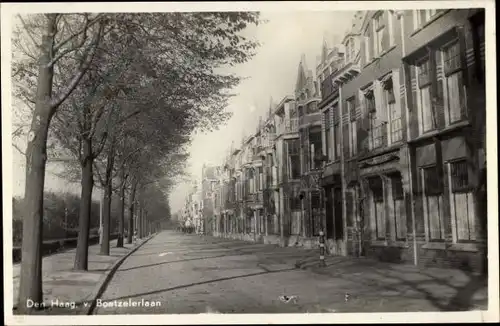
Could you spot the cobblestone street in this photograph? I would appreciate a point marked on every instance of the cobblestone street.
(199, 274)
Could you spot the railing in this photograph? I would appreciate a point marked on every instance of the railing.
(396, 130)
(378, 136)
(292, 125)
(328, 87)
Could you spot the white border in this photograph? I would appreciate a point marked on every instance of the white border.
(7, 10)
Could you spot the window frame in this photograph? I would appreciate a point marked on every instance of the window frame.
(437, 192)
(353, 139)
(428, 83)
(447, 73)
(468, 191)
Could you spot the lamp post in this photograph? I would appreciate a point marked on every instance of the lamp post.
(101, 208)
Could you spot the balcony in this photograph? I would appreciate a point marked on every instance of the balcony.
(348, 71)
(268, 140)
(310, 118)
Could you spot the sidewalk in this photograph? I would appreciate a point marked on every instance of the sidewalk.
(62, 283)
(377, 286)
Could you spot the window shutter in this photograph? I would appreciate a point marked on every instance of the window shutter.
(261, 181)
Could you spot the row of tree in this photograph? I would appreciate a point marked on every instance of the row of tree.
(116, 97)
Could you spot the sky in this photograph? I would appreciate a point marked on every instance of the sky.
(272, 72)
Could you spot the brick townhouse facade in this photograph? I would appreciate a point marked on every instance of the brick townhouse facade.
(384, 151)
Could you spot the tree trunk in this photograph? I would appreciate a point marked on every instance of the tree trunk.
(106, 220)
(121, 216)
(108, 192)
(82, 248)
(140, 220)
(30, 287)
(131, 228)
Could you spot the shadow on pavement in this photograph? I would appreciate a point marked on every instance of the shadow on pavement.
(176, 261)
(200, 283)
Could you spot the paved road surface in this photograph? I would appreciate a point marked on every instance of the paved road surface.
(191, 274)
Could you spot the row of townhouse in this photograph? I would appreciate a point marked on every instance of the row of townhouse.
(384, 151)
(191, 215)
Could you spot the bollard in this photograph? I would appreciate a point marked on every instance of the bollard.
(322, 249)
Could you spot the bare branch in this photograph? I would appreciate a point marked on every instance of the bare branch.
(76, 79)
(27, 31)
(87, 25)
(18, 149)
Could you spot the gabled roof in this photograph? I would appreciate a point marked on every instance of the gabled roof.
(301, 74)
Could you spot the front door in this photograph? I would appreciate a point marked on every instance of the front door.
(337, 212)
(329, 212)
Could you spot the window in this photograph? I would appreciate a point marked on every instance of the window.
(378, 34)
(433, 203)
(399, 208)
(349, 50)
(261, 179)
(395, 128)
(328, 130)
(377, 191)
(294, 159)
(369, 99)
(353, 131)
(336, 128)
(461, 201)
(453, 84)
(368, 56)
(420, 17)
(315, 149)
(427, 120)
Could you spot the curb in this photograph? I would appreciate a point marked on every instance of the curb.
(101, 287)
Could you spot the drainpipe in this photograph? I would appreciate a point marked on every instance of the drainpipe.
(342, 173)
(408, 156)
